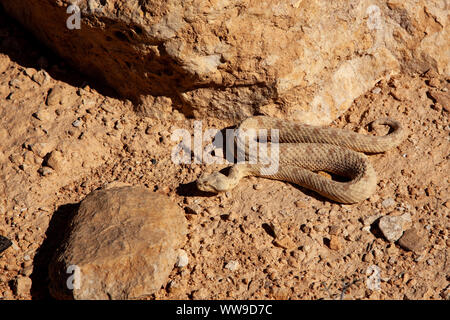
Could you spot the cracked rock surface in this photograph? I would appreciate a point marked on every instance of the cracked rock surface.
(296, 59)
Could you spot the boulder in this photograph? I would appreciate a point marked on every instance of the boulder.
(122, 244)
(302, 60)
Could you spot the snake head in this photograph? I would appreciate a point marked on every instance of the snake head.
(216, 182)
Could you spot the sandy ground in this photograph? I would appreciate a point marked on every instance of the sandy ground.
(63, 136)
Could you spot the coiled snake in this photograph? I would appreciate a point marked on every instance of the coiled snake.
(303, 150)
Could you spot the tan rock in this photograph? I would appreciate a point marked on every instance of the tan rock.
(182, 259)
(41, 149)
(55, 96)
(22, 285)
(392, 227)
(122, 244)
(44, 115)
(335, 243)
(56, 160)
(307, 60)
(45, 171)
(411, 240)
(285, 242)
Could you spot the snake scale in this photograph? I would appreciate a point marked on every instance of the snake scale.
(303, 150)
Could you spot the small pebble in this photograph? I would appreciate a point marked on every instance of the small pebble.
(55, 160)
(41, 149)
(388, 202)
(323, 211)
(300, 204)
(45, 171)
(77, 123)
(335, 243)
(285, 242)
(411, 241)
(376, 90)
(118, 125)
(43, 115)
(392, 227)
(173, 286)
(182, 259)
(232, 265)
(334, 230)
(193, 209)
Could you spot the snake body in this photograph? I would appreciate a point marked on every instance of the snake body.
(303, 150)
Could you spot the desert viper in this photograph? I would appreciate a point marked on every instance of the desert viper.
(303, 150)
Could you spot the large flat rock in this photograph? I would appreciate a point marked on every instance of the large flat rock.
(304, 60)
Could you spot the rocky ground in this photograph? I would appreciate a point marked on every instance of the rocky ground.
(63, 136)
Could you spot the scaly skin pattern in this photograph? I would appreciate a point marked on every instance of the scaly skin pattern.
(303, 150)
